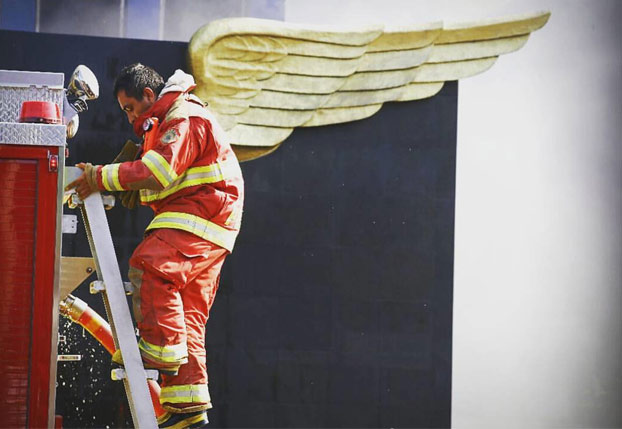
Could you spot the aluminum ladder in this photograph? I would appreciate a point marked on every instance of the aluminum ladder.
(111, 286)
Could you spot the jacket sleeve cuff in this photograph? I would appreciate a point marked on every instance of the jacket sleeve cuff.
(108, 178)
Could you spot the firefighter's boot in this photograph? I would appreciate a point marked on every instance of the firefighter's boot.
(196, 419)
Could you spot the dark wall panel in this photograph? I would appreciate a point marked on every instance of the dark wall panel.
(335, 308)
(92, 17)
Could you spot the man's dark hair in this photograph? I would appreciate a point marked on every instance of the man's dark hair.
(134, 78)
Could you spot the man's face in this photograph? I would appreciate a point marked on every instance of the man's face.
(132, 107)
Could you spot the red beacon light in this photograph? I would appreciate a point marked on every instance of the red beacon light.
(41, 112)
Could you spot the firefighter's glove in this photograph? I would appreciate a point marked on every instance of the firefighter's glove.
(128, 153)
(86, 184)
(129, 199)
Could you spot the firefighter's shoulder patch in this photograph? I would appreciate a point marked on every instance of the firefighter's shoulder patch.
(170, 136)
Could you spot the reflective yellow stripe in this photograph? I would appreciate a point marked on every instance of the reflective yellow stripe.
(159, 167)
(235, 218)
(185, 393)
(105, 178)
(197, 226)
(169, 354)
(195, 176)
(110, 177)
(115, 176)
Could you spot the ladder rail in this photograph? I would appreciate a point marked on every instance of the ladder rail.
(120, 319)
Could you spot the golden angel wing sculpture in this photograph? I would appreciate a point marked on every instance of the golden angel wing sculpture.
(264, 78)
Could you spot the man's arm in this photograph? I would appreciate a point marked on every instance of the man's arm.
(156, 170)
(92, 180)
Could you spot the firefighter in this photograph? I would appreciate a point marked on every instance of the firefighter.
(188, 174)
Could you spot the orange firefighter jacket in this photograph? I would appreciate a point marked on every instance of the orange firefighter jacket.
(187, 172)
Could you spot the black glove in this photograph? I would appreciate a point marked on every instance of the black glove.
(130, 199)
(129, 152)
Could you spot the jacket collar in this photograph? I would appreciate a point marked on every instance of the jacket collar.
(158, 110)
(178, 84)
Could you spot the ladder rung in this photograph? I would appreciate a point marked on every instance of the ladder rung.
(118, 374)
(98, 286)
(129, 288)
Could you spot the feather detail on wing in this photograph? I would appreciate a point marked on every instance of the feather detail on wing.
(264, 78)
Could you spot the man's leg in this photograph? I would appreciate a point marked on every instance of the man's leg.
(187, 391)
(157, 271)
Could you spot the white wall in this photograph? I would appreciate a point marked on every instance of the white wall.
(538, 252)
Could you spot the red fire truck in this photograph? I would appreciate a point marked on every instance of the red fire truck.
(31, 164)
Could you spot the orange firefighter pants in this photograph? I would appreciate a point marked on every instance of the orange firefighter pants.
(176, 275)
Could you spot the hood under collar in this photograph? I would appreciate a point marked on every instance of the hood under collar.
(178, 82)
